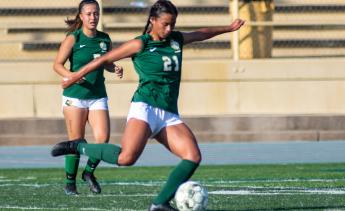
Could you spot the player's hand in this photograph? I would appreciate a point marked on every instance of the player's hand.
(236, 24)
(71, 79)
(113, 68)
(110, 67)
(119, 71)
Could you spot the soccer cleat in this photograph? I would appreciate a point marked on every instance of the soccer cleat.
(70, 189)
(66, 147)
(91, 180)
(162, 207)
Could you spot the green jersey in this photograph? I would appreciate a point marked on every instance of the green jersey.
(86, 49)
(158, 65)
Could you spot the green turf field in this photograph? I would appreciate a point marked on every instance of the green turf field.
(231, 187)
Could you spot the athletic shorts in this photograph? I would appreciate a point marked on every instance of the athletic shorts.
(156, 118)
(92, 104)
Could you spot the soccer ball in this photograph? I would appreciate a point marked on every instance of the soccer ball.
(191, 196)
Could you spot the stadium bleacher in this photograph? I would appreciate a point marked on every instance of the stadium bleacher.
(42, 28)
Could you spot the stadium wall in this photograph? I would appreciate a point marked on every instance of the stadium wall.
(209, 87)
(221, 100)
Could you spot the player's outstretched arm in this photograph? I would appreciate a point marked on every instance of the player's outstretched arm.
(126, 50)
(207, 33)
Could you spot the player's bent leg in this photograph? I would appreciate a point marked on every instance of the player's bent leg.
(180, 141)
(133, 141)
(180, 174)
(106, 152)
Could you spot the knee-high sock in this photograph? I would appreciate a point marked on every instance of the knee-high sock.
(106, 152)
(182, 172)
(71, 167)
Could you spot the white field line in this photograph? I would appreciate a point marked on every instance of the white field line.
(46, 208)
(3, 179)
(158, 183)
(149, 184)
(274, 181)
(243, 190)
(28, 178)
(91, 208)
(10, 180)
(280, 192)
(31, 208)
(118, 195)
(25, 185)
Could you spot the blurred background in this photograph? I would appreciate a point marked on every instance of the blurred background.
(280, 78)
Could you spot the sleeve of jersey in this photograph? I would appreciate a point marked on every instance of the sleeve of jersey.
(144, 40)
(74, 33)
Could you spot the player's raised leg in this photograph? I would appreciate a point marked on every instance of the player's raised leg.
(133, 143)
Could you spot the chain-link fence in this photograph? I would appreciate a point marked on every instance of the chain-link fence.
(32, 30)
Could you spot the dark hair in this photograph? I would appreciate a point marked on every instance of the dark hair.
(76, 23)
(161, 6)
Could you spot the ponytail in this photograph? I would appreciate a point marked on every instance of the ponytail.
(148, 26)
(73, 24)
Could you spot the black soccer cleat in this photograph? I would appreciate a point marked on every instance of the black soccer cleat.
(66, 147)
(70, 189)
(162, 207)
(91, 180)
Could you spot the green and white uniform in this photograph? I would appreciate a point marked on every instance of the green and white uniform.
(155, 102)
(158, 65)
(86, 49)
(90, 94)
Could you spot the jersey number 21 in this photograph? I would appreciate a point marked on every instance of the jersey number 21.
(168, 63)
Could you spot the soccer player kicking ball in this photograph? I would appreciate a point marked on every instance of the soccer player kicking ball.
(157, 58)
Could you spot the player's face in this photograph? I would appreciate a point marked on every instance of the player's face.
(163, 25)
(90, 16)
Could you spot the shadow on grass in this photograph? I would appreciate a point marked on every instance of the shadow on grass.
(285, 208)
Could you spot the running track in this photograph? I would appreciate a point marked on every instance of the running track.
(213, 154)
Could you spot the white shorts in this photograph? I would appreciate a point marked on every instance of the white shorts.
(157, 118)
(93, 104)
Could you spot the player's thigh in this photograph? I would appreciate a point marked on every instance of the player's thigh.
(75, 119)
(180, 140)
(133, 141)
(100, 124)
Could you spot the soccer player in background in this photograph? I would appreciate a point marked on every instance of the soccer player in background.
(85, 101)
(153, 113)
